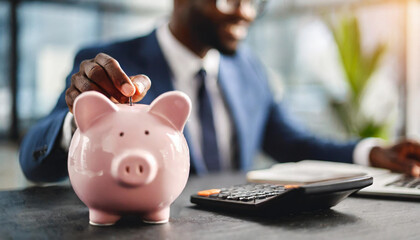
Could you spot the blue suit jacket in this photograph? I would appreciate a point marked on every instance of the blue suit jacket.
(259, 122)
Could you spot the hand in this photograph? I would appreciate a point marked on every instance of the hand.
(403, 157)
(104, 74)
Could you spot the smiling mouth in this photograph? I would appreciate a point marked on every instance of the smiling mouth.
(237, 31)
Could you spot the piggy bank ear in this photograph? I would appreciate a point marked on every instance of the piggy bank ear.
(174, 106)
(91, 106)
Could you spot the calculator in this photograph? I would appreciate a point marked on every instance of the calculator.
(265, 198)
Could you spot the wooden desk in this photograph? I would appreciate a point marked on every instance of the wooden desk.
(56, 212)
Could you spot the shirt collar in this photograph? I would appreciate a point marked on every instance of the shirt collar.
(178, 55)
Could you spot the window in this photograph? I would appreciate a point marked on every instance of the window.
(49, 35)
(293, 40)
(5, 94)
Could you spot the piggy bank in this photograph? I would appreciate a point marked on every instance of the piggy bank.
(129, 159)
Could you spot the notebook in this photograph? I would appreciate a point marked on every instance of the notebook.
(385, 182)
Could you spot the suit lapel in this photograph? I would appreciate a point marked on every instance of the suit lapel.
(230, 84)
(156, 66)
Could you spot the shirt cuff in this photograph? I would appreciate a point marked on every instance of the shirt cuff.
(363, 148)
(69, 126)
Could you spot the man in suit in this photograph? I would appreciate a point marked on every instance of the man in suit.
(234, 115)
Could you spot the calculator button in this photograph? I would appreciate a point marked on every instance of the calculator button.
(261, 196)
(206, 193)
(233, 197)
(246, 199)
(247, 192)
(223, 196)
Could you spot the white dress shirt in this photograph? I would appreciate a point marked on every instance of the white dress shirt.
(184, 66)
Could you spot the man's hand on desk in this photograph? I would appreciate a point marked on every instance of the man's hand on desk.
(104, 74)
(402, 157)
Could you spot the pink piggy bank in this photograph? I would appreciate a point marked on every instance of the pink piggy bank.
(129, 159)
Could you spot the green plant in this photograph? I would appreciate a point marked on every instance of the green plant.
(358, 68)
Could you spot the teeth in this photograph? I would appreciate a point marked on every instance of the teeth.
(238, 31)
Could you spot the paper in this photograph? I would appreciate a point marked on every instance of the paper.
(310, 171)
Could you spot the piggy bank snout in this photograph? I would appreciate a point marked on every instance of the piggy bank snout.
(134, 169)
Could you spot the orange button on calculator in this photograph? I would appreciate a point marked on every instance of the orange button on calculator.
(206, 193)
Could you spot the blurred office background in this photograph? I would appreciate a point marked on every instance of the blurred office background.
(294, 39)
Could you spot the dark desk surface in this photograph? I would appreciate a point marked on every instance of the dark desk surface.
(51, 212)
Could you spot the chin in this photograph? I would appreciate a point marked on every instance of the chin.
(227, 49)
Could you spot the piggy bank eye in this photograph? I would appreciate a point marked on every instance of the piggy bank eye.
(121, 134)
(146, 132)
